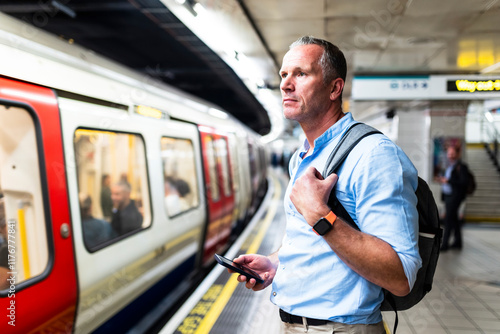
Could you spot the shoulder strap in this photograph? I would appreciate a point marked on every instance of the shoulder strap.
(349, 140)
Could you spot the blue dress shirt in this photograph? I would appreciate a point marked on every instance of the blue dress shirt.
(376, 186)
(446, 187)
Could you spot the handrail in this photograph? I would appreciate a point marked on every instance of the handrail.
(23, 239)
(492, 138)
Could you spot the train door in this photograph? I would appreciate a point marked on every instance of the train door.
(140, 163)
(37, 270)
(220, 193)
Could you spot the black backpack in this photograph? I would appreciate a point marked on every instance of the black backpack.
(471, 183)
(430, 233)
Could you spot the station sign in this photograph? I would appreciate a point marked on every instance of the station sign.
(431, 87)
(471, 86)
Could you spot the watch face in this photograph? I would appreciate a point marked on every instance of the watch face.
(322, 226)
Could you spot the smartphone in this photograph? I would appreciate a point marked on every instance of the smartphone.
(249, 273)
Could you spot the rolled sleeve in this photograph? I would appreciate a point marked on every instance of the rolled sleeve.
(383, 184)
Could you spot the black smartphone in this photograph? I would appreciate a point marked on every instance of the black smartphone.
(249, 273)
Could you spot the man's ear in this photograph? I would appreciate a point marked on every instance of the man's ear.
(337, 86)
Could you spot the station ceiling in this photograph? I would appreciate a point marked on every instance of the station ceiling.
(379, 37)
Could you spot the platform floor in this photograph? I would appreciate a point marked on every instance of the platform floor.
(465, 296)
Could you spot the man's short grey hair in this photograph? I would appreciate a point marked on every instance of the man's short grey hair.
(124, 185)
(332, 61)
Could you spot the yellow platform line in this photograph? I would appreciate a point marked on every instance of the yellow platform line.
(211, 317)
(482, 219)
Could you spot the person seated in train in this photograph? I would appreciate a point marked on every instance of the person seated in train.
(184, 190)
(172, 197)
(126, 216)
(95, 231)
(176, 191)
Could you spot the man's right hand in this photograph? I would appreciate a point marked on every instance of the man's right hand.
(265, 266)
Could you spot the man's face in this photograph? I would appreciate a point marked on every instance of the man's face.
(119, 196)
(452, 154)
(303, 91)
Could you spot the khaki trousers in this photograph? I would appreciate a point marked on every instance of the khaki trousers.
(333, 328)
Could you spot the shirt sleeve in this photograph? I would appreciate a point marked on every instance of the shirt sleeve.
(386, 202)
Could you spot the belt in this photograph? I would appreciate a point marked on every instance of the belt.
(294, 319)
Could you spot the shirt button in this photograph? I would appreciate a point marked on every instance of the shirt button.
(274, 293)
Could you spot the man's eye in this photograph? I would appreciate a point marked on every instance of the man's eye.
(283, 75)
(301, 74)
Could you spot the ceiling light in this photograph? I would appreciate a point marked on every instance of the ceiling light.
(492, 68)
(489, 117)
(199, 9)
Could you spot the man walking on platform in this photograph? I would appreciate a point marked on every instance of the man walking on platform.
(327, 276)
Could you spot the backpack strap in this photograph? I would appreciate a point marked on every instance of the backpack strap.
(353, 135)
(351, 138)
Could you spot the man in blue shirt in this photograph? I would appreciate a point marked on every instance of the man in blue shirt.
(334, 278)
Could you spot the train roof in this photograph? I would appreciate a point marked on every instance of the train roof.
(35, 56)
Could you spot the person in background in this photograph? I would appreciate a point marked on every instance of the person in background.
(454, 190)
(106, 202)
(328, 277)
(126, 216)
(183, 190)
(95, 231)
(172, 197)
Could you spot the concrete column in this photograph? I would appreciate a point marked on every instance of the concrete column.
(448, 119)
(413, 137)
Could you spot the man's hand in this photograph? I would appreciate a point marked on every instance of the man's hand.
(310, 194)
(263, 265)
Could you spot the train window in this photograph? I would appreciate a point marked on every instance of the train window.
(23, 235)
(112, 183)
(222, 157)
(179, 170)
(212, 168)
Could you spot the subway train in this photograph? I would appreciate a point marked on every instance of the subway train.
(116, 190)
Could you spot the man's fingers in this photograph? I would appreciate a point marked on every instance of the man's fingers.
(332, 179)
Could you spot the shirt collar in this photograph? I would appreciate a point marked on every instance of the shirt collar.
(331, 133)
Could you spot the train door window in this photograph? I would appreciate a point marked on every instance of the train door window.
(24, 252)
(222, 158)
(112, 185)
(179, 170)
(212, 168)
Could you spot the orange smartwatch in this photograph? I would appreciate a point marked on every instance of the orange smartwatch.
(325, 224)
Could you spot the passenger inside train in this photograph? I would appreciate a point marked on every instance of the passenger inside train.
(95, 231)
(126, 216)
(176, 191)
(181, 192)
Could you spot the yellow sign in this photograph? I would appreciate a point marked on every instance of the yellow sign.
(472, 86)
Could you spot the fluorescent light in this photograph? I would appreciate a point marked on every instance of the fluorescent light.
(217, 113)
(489, 117)
(199, 9)
(491, 68)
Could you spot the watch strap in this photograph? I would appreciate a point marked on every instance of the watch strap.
(331, 217)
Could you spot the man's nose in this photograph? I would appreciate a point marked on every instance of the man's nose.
(286, 84)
